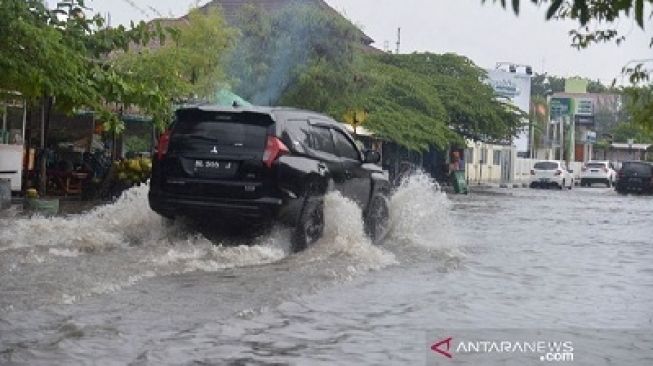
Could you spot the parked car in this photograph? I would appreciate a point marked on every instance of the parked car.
(252, 166)
(549, 173)
(635, 176)
(595, 171)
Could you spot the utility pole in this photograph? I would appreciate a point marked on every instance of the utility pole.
(398, 40)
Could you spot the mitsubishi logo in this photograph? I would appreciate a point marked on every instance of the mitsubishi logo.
(214, 150)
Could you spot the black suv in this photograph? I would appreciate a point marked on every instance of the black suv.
(257, 165)
(635, 176)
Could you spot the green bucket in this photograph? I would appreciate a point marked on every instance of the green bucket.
(42, 206)
(459, 182)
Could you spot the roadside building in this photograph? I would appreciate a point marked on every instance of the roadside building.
(624, 152)
(577, 119)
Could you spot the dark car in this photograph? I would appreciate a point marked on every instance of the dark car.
(256, 165)
(635, 176)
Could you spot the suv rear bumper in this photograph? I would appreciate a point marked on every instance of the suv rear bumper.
(172, 205)
(644, 187)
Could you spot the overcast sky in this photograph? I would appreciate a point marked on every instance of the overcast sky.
(485, 33)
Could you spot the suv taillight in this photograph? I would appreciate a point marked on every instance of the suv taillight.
(274, 148)
(584, 169)
(558, 172)
(164, 141)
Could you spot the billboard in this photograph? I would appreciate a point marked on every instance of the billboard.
(517, 89)
(560, 107)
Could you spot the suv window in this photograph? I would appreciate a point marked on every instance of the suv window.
(300, 132)
(344, 147)
(596, 165)
(546, 165)
(322, 140)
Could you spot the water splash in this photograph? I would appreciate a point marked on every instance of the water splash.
(420, 216)
(127, 221)
(344, 237)
(120, 244)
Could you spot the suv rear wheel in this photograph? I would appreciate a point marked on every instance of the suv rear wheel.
(378, 218)
(310, 225)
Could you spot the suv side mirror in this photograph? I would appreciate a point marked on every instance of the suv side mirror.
(372, 157)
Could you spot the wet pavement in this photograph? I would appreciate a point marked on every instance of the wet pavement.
(117, 286)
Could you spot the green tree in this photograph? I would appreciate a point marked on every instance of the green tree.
(639, 105)
(625, 131)
(416, 100)
(41, 56)
(403, 106)
(473, 110)
(543, 85)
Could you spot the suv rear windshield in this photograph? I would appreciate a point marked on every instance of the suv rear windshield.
(227, 129)
(546, 165)
(639, 168)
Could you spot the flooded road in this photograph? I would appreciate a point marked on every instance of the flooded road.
(118, 286)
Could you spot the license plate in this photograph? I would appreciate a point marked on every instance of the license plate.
(215, 168)
(544, 179)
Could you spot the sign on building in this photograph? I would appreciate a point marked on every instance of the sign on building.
(584, 112)
(560, 107)
(590, 137)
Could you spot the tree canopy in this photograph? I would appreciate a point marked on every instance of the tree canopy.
(74, 59)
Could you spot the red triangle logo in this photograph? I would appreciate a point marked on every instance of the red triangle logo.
(442, 347)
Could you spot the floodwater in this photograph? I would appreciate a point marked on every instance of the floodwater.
(117, 286)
